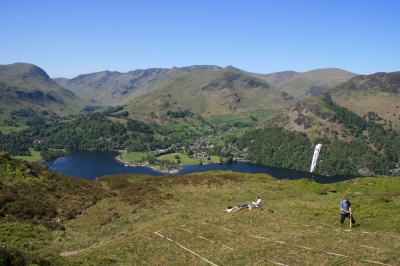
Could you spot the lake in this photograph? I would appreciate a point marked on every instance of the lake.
(94, 164)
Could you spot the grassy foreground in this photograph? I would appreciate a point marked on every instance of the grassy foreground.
(192, 227)
(181, 220)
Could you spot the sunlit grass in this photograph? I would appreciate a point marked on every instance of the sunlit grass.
(172, 215)
(186, 160)
(132, 157)
(34, 158)
(302, 230)
(7, 130)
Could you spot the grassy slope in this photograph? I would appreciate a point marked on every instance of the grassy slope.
(379, 92)
(208, 93)
(29, 79)
(34, 158)
(7, 129)
(302, 229)
(114, 88)
(304, 85)
(128, 225)
(386, 105)
(307, 108)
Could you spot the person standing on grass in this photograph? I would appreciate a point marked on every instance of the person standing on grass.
(346, 212)
(256, 204)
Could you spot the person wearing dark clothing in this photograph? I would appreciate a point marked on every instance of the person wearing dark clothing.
(346, 211)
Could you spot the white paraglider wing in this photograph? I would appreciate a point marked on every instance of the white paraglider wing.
(315, 157)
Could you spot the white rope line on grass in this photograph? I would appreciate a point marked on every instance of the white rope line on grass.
(368, 247)
(376, 262)
(260, 261)
(186, 249)
(281, 242)
(228, 247)
(335, 254)
(228, 229)
(329, 253)
(260, 237)
(278, 263)
(198, 235)
(205, 238)
(223, 244)
(303, 247)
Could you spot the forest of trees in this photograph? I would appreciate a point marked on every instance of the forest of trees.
(93, 131)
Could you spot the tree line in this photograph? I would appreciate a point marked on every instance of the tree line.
(91, 132)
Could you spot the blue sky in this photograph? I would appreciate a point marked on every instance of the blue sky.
(68, 38)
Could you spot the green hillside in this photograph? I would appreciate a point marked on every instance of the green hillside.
(354, 142)
(115, 88)
(208, 93)
(51, 219)
(27, 91)
(307, 84)
(379, 93)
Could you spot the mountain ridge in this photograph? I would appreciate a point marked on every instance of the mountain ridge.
(121, 88)
(209, 93)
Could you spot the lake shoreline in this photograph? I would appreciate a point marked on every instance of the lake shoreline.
(173, 171)
(94, 164)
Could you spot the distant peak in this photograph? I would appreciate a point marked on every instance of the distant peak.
(37, 72)
(24, 70)
(199, 67)
(233, 68)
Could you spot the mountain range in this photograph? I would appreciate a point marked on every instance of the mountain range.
(115, 88)
(207, 90)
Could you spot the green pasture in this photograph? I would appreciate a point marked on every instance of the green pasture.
(178, 134)
(34, 158)
(186, 160)
(7, 130)
(173, 127)
(132, 157)
(264, 115)
(261, 115)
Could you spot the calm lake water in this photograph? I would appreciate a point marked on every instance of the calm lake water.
(93, 164)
